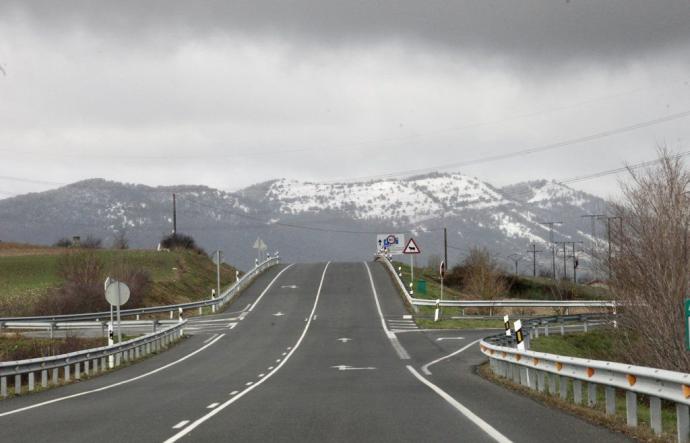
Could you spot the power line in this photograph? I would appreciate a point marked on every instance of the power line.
(530, 151)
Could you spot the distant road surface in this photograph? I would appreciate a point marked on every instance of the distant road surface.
(309, 353)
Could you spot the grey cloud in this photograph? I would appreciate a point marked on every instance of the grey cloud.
(533, 31)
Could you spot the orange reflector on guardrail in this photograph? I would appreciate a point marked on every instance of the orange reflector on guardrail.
(518, 357)
(631, 379)
(536, 361)
(590, 372)
(559, 366)
(686, 391)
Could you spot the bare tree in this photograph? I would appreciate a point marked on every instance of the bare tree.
(482, 276)
(649, 264)
(120, 240)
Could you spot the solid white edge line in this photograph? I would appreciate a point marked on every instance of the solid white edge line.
(402, 353)
(120, 383)
(425, 368)
(206, 417)
(251, 308)
(484, 426)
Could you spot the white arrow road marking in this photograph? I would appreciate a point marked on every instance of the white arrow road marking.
(278, 314)
(352, 368)
(181, 424)
(212, 405)
(234, 392)
(425, 368)
(344, 339)
(450, 338)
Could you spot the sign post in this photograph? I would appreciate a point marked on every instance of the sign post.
(117, 294)
(411, 249)
(687, 323)
(442, 271)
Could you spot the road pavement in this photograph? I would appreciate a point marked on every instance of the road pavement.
(310, 352)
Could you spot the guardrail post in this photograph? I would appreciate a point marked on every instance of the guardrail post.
(17, 384)
(118, 356)
(562, 328)
(655, 414)
(95, 366)
(577, 391)
(682, 423)
(585, 325)
(87, 367)
(546, 329)
(536, 332)
(610, 400)
(56, 376)
(591, 394)
(200, 311)
(31, 381)
(44, 378)
(563, 386)
(631, 408)
(77, 373)
(67, 373)
(516, 373)
(171, 315)
(541, 381)
(3, 387)
(552, 384)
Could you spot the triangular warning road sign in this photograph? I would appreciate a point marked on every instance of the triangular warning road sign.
(411, 247)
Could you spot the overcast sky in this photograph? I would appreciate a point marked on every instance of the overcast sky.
(231, 93)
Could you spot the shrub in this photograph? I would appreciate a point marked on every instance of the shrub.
(181, 241)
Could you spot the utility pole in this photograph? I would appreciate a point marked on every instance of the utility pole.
(593, 218)
(516, 258)
(553, 249)
(534, 259)
(608, 228)
(174, 215)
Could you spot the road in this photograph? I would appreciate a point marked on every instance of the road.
(310, 352)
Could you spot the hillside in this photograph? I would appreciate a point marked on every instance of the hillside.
(308, 221)
(28, 272)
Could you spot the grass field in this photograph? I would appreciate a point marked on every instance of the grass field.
(27, 272)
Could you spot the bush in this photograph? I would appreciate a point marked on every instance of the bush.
(91, 242)
(84, 274)
(181, 241)
(63, 243)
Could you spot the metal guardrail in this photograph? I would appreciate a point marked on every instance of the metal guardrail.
(543, 372)
(217, 302)
(81, 325)
(506, 303)
(88, 362)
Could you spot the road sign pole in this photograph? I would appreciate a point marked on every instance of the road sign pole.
(687, 323)
(218, 274)
(119, 302)
(411, 271)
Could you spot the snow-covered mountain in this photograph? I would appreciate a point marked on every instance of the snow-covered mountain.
(309, 221)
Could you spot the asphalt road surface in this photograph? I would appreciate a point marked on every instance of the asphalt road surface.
(309, 352)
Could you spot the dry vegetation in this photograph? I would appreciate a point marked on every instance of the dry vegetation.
(649, 265)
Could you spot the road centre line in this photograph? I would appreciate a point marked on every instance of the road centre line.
(139, 377)
(425, 368)
(484, 426)
(206, 417)
(251, 308)
(120, 383)
(402, 353)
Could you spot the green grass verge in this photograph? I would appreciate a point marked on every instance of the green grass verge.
(597, 345)
(178, 276)
(429, 323)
